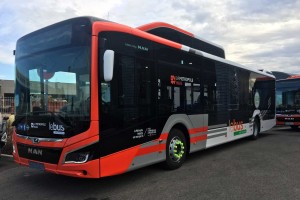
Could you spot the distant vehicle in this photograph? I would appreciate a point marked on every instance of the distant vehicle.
(96, 98)
(288, 102)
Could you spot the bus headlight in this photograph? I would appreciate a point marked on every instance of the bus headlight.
(77, 157)
(14, 148)
(82, 155)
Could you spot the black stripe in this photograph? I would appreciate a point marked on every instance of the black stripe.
(191, 50)
(217, 135)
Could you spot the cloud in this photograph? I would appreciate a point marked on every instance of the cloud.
(6, 52)
(258, 33)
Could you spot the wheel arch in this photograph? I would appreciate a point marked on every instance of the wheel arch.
(181, 122)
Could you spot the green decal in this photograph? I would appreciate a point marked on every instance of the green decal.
(240, 132)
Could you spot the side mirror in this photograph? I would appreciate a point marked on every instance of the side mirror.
(108, 65)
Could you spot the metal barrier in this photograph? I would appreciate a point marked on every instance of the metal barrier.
(7, 105)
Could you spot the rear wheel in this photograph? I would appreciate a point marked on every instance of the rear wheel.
(175, 149)
(255, 129)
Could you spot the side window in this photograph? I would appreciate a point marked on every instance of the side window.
(244, 90)
(130, 92)
(128, 99)
(179, 82)
(234, 98)
(209, 98)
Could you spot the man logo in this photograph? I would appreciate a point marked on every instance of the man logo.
(35, 140)
(33, 151)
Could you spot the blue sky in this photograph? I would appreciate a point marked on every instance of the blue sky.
(254, 33)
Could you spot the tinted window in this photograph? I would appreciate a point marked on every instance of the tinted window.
(263, 95)
(182, 38)
(75, 32)
(288, 96)
(128, 102)
(179, 82)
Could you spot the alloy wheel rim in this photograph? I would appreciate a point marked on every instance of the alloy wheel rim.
(176, 149)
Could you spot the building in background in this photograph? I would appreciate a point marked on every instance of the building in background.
(7, 88)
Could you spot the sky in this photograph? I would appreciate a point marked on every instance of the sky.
(261, 34)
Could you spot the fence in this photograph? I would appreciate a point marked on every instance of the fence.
(7, 105)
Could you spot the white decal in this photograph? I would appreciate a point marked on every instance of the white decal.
(151, 132)
(138, 133)
(256, 100)
(36, 125)
(56, 128)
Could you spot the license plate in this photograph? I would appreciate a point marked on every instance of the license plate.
(38, 166)
(289, 123)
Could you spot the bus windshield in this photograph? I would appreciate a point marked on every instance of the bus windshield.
(52, 95)
(288, 96)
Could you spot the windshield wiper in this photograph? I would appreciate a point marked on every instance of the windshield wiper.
(62, 116)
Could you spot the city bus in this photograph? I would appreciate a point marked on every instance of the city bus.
(288, 102)
(94, 98)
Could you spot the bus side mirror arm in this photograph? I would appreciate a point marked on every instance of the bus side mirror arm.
(108, 65)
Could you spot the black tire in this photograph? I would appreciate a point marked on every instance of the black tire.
(294, 127)
(256, 129)
(176, 150)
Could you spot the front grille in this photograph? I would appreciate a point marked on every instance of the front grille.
(42, 154)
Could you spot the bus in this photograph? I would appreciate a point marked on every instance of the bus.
(94, 98)
(288, 102)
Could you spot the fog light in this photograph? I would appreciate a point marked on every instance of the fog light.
(77, 157)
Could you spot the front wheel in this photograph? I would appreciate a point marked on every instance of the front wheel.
(175, 149)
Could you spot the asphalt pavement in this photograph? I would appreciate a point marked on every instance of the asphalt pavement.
(267, 168)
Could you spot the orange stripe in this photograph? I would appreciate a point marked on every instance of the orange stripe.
(117, 163)
(198, 130)
(163, 136)
(293, 76)
(283, 123)
(154, 25)
(284, 116)
(199, 138)
(94, 81)
(152, 149)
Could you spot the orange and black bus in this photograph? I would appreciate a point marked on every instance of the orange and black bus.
(288, 102)
(95, 98)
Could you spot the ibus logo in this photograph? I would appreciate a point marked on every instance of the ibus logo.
(237, 127)
(56, 128)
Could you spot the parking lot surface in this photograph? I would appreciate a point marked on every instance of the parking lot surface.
(267, 168)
